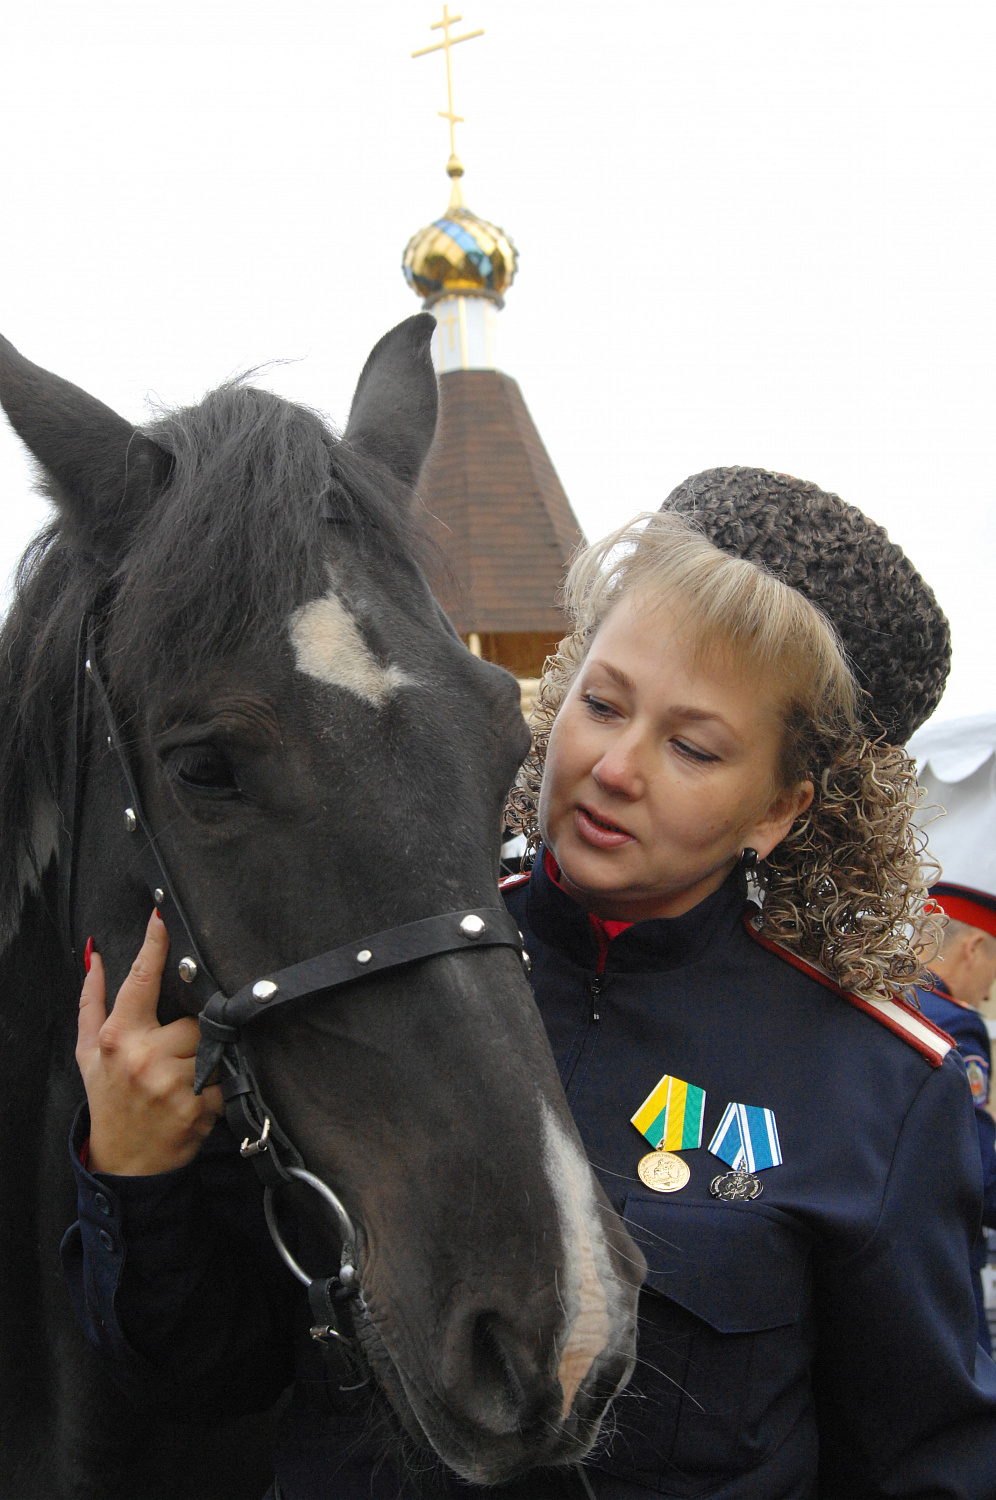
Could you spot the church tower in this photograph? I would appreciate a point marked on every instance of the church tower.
(501, 518)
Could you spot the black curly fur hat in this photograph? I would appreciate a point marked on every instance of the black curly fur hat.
(893, 630)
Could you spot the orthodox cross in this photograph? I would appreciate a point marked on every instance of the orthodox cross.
(444, 46)
(449, 320)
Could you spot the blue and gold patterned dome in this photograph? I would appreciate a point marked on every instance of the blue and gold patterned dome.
(460, 254)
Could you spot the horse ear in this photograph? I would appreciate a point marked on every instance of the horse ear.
(393, 416)
(102, 472)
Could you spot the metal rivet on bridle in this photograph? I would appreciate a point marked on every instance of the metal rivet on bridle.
(364, 956)
(263, 989)
(347, 1274)
(527, 962)
(188, 970)
(159, 894)
(131, 822)
(110, 742)
(472, 927)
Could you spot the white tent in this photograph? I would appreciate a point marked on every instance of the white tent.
(956, 765)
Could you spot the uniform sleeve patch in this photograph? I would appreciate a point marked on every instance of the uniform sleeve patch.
(978, 1078)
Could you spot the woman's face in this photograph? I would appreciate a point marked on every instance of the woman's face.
(660, 770)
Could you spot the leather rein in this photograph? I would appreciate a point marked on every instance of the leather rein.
(223, 1018)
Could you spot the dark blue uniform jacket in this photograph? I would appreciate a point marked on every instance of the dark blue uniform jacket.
(968, 1031)
(819, 1340)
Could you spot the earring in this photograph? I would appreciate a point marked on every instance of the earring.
(748, 861)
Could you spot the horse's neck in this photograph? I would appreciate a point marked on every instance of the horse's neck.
(43, 1360)
(39, 844)
(37, 986)
(40, 1090)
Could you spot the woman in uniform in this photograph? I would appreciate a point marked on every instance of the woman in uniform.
(788, 1140)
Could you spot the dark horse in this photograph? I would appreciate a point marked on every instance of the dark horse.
(320, 758)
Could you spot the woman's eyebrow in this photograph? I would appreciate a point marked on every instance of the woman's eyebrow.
(684, 713)
(616, 673)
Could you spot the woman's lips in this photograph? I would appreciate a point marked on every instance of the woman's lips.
(597, 833)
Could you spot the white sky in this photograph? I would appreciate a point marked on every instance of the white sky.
(751, 231)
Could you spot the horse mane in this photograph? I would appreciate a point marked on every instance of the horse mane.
(237, 539)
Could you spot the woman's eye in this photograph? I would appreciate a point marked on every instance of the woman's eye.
(203, 769)
(597, 706)
(690, 751)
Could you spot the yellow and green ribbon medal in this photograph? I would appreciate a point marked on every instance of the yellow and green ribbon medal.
(670, 1118)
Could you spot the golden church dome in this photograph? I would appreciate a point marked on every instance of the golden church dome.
(459, 254)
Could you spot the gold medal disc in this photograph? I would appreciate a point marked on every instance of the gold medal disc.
(664, 1172)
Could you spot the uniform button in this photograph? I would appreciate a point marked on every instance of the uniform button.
(106, 1240)
(101, 1202)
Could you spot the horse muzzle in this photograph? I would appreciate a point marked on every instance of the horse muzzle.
(495, 1409)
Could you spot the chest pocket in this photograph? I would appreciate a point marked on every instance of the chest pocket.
(725, 1346)
(738, 1269)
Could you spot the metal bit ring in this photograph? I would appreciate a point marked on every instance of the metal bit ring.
(347, 1270)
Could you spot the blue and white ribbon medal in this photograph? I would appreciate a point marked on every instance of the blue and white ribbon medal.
(747, 1140)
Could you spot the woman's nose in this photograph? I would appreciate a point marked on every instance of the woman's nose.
(618, 773)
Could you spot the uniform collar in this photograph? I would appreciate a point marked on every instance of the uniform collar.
(940, 988)
(659, 943)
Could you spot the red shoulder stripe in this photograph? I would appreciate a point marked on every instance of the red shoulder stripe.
(927, 1039)
(509, 882)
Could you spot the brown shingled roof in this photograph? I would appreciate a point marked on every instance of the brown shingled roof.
(501, 517)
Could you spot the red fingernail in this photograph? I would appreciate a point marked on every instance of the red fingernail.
(156, 912)
(88, 954)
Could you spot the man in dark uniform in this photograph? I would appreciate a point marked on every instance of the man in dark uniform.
(964, 971)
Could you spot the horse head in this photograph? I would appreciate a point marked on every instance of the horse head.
(321, 758)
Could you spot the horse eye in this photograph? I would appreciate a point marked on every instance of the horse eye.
(203, 769)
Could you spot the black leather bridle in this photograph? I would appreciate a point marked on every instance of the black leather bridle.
(223, 1018)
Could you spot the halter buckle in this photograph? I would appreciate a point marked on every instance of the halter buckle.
(324, 1333)
(254, 1148)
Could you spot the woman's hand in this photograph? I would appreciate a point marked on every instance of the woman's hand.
(139, 1076)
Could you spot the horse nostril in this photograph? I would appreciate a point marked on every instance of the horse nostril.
(493, 1368)
(512, 1393)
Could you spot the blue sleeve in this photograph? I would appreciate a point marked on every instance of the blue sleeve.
(968, 1031)
(986, 1127)
(907, 1399)
(175, 1286)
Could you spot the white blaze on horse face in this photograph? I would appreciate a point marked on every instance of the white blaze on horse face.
(328, 645)
(587, 1270)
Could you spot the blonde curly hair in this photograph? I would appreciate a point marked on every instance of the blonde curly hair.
(846, 889)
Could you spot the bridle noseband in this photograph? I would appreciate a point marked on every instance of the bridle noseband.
(223, 1018)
